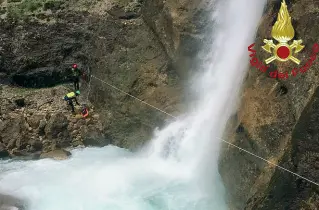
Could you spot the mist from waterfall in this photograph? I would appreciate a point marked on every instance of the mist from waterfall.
(194, 140)
(178, 169)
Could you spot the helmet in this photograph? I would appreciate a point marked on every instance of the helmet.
(74, 65)
(77, 92)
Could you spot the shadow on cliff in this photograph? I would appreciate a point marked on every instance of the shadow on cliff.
(285, 190)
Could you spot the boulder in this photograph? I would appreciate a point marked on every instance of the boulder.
(56, 124)
(11, 129)
(34, 120)
(3, 151)
(49, 145)
(36, 145)
(41, 127)
(6, 207)
(93, 137)
(8, 202)
(59, 154)
(14, 131)
(19, 153)
(77, 143)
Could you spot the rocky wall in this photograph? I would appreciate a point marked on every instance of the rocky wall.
(33, 123)
(137, 46)
(277, 121)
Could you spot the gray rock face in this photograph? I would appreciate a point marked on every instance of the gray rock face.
(56, 124)
(8, 202)
(145, 48)
(5, 207)
(286, 191)
(43, 125)
(280, 123)
(3, 151)
(56, 154)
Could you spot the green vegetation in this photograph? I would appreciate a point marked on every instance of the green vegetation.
(31, 5)
(24, 8)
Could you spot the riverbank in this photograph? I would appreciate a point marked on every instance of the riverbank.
(38, 123)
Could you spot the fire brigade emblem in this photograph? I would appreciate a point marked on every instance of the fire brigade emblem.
(283, 32)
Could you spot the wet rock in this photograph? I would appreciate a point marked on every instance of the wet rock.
(95, 140)
(11, 143)
(48, 145)
(6, 207)
(59, 154)
(36, 145)
(77, 143)
(21, 143)
(93, 137)
(3, 151)
(18, 152)
(8, 202)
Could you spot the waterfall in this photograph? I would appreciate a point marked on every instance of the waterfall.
(194, 140)
(178, 169)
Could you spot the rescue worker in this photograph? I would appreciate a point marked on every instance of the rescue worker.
(76, 76)
(70, 97)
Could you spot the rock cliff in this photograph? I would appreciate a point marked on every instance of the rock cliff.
(134, 45)
(277, 121)
(38, 123)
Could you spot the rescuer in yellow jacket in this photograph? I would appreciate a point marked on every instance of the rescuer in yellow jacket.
(70, 97)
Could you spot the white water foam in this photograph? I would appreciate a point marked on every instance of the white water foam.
(178, 171)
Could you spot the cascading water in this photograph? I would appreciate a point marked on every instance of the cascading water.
(178, 169)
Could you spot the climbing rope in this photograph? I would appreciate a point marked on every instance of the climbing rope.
(133, 97)
(87, 96)
(223, 140)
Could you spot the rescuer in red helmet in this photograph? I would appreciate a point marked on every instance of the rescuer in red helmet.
(76, 76)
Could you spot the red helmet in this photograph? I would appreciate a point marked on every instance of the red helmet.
(74, 66)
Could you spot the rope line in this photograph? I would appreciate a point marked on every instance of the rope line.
(87, 96)
(269, 162)
(233, 145)
(133, 97)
